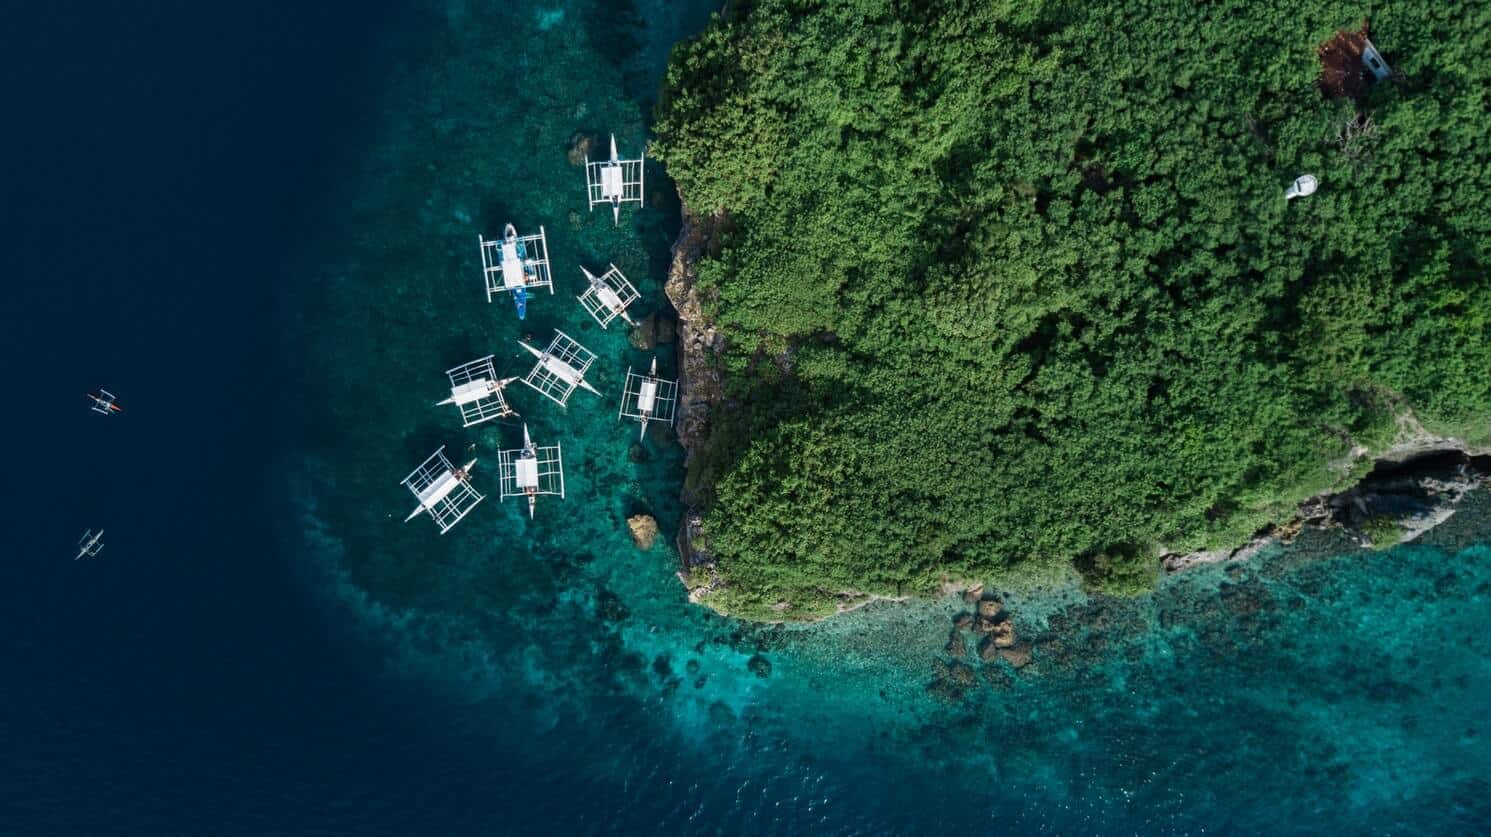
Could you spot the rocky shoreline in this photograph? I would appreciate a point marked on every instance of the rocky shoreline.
(699, 385)
(1411, 488)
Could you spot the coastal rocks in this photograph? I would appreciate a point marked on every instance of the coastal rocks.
(644, 530)
(991, 619)
(999, 643)
(1003, 637)
(1415, 486)
(699, 383)
(581, 143)
(699, 342)
(693, 549)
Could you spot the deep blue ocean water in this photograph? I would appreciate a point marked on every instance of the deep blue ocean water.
(256, 225)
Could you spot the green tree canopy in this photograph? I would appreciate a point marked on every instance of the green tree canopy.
(1016, 281)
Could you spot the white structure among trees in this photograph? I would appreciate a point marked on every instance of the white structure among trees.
(531, 471)
(477, 391)
(608, 296)
(444, 491)
(648, 398)
(1302, 187)
(560, 368)
(614, 181)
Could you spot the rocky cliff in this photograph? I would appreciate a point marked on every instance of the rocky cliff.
(699, 386)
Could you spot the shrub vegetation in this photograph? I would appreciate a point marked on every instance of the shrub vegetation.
(1014, 282)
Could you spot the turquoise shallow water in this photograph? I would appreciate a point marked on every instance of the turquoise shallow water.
(1316, 686)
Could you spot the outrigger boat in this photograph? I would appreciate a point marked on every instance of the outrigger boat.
(560, 369)
(531, 471)
(90, 544)
(443, 490)
(649, 398)
(103, 402)
(614, 181)
(476, 391)
(516, 265)
(608, 296)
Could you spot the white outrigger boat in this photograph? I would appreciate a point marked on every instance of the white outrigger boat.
(90, 544)
(531, 471)
(649, 398)
(614, 181)
(608, 296)
(476, 391)
(103, 402)
(560, 369)
(443, 490)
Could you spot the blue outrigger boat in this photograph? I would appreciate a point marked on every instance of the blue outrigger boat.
(516, 265)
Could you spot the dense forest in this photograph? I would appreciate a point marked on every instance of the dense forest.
(1013, 286)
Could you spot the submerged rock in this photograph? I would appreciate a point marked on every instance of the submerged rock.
(1017, 655)
(759, 666)
(998, 678)
(662, 667)
(644, 530)
(963, 621)
(581, 143)
(961, 674)
(644, 334)
(951, 680)
(987, 650)
(955, 645)
(608, 607)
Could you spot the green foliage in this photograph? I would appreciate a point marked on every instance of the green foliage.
(1120, 571)
(1382, 530)
(1015, 280)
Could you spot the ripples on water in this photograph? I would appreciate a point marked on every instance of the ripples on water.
(1316, 686)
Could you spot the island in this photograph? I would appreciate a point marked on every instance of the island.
(1011, 291)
